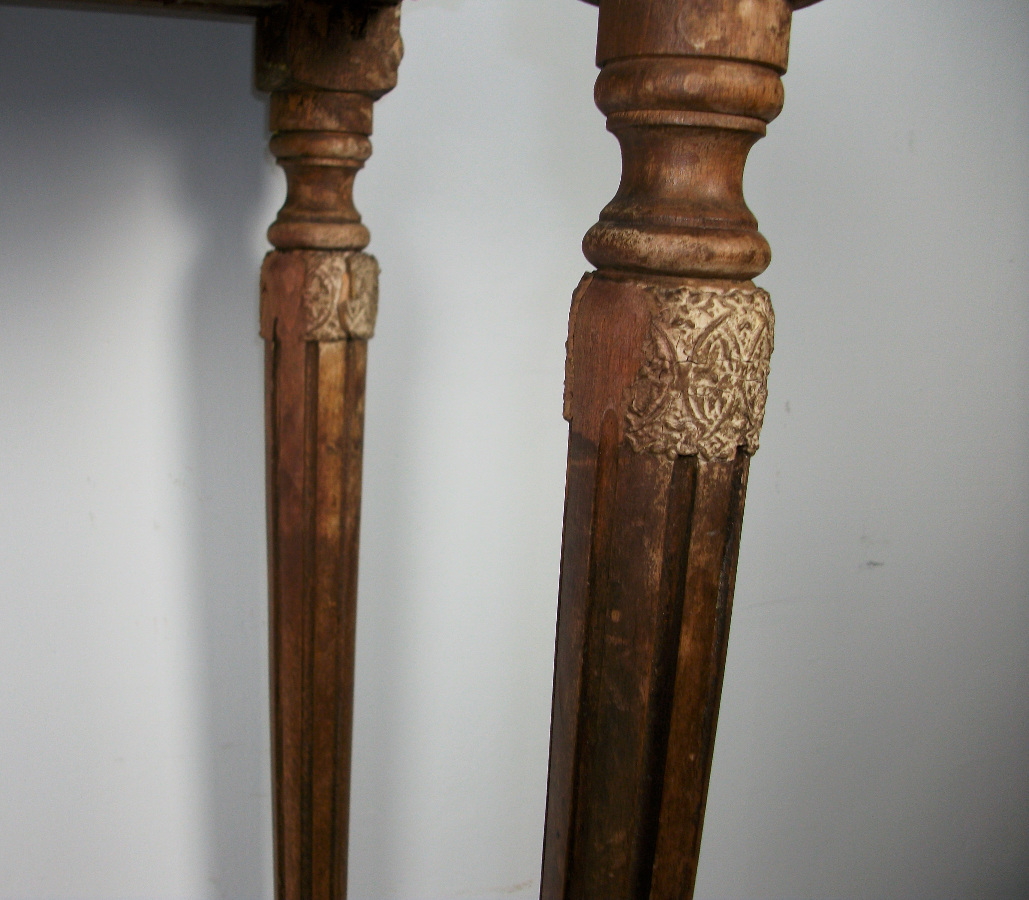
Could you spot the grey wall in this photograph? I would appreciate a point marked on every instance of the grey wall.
(875, 719)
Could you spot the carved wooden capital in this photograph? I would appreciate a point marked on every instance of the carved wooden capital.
(319, 296)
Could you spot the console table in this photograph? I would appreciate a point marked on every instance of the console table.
(668, 352)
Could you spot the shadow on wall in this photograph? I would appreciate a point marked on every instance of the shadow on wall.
(97, 90)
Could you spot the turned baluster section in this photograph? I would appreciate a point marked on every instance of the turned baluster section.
(324, 66)
(668, 351)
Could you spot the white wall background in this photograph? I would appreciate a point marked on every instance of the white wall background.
(874, 733)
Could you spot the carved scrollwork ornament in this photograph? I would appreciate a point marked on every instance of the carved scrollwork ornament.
(703, 384)
(340, 296)
(319, 295)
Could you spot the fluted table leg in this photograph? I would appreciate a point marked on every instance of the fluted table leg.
(668, 353)
(324, 65)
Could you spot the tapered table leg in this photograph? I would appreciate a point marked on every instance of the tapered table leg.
(324, 65)
(668, 354)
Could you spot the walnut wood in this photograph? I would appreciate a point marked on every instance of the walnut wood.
(651, 536)
(318, 296)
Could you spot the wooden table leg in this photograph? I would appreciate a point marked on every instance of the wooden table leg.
(324, 65)
(668, 354)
